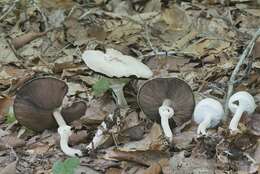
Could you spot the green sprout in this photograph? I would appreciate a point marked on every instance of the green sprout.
(66, 167)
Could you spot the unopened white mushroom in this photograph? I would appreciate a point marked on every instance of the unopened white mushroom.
(114, 64)
(208, 113)
(239, 103)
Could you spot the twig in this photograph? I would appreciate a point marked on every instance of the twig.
(232, 79)
(9, 10)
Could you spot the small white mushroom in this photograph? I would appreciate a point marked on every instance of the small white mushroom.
(208, 113)
(114, 64)
(239, 103)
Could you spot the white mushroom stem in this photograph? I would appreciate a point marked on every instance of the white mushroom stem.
(119, 94)
(65, 132)
(166, 112)
(99, 136)
(236, 118)
(204, 125)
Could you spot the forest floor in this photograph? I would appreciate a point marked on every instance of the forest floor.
(200, 42)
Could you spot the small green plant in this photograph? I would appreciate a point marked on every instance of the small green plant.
(66, 167)
(10, 118)
(101, 86)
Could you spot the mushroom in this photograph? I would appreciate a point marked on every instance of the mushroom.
(168, 101)
(38, 105)
(207, 113)
(114, 64)
(239, 103)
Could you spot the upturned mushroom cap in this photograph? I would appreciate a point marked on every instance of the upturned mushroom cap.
(254, 124)
(114, 64)
(243, 99)
(153, 92)
(208, 107)
(36, 100)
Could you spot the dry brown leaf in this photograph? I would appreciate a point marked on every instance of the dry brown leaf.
(207, 46)
(9, 169)
(176, 18)
(154, 169)
(20, 41)
(180, 164)
(56, 4)
(152, 141)
(98, 110)
(5, 104)
(11, 141)
(114, 171)
(145, 158)
(39, 149)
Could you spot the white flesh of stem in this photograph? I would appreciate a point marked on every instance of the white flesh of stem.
(119, 93)
(236, 118)
(204, 125)
(65, 132)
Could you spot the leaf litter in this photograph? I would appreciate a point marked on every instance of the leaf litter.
(198, 41)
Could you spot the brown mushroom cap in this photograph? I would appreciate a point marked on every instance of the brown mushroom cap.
(36, 100)
(254, 124)
(153, 92)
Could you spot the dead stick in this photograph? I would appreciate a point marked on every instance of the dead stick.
(232, 79)
(9, 10)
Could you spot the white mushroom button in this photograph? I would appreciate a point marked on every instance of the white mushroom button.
(208, 113)
(239, 103)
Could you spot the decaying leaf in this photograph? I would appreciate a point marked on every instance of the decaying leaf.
(9, 169)
(20, 41)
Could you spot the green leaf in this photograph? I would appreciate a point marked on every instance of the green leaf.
(100, 87)
(10, 118)
(66, 167)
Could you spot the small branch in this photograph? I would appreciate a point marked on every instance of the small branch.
(9, 10)
(232, 79)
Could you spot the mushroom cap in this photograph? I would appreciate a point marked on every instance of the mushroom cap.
(36, 100)
(208, 107)
(114, 64)
(254, 124)
(152, 94)
(244, 99)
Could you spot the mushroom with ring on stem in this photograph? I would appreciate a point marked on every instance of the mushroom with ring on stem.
(113, 63)
(207, 113)
(38, 105)
(239, 103)
(168, 101)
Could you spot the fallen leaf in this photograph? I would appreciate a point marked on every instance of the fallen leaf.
(9, 169)
(152, 141)
(11, 141)
(180, 164)
(20, 41)
(5, 104)
(145, 158)
(154, 169)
